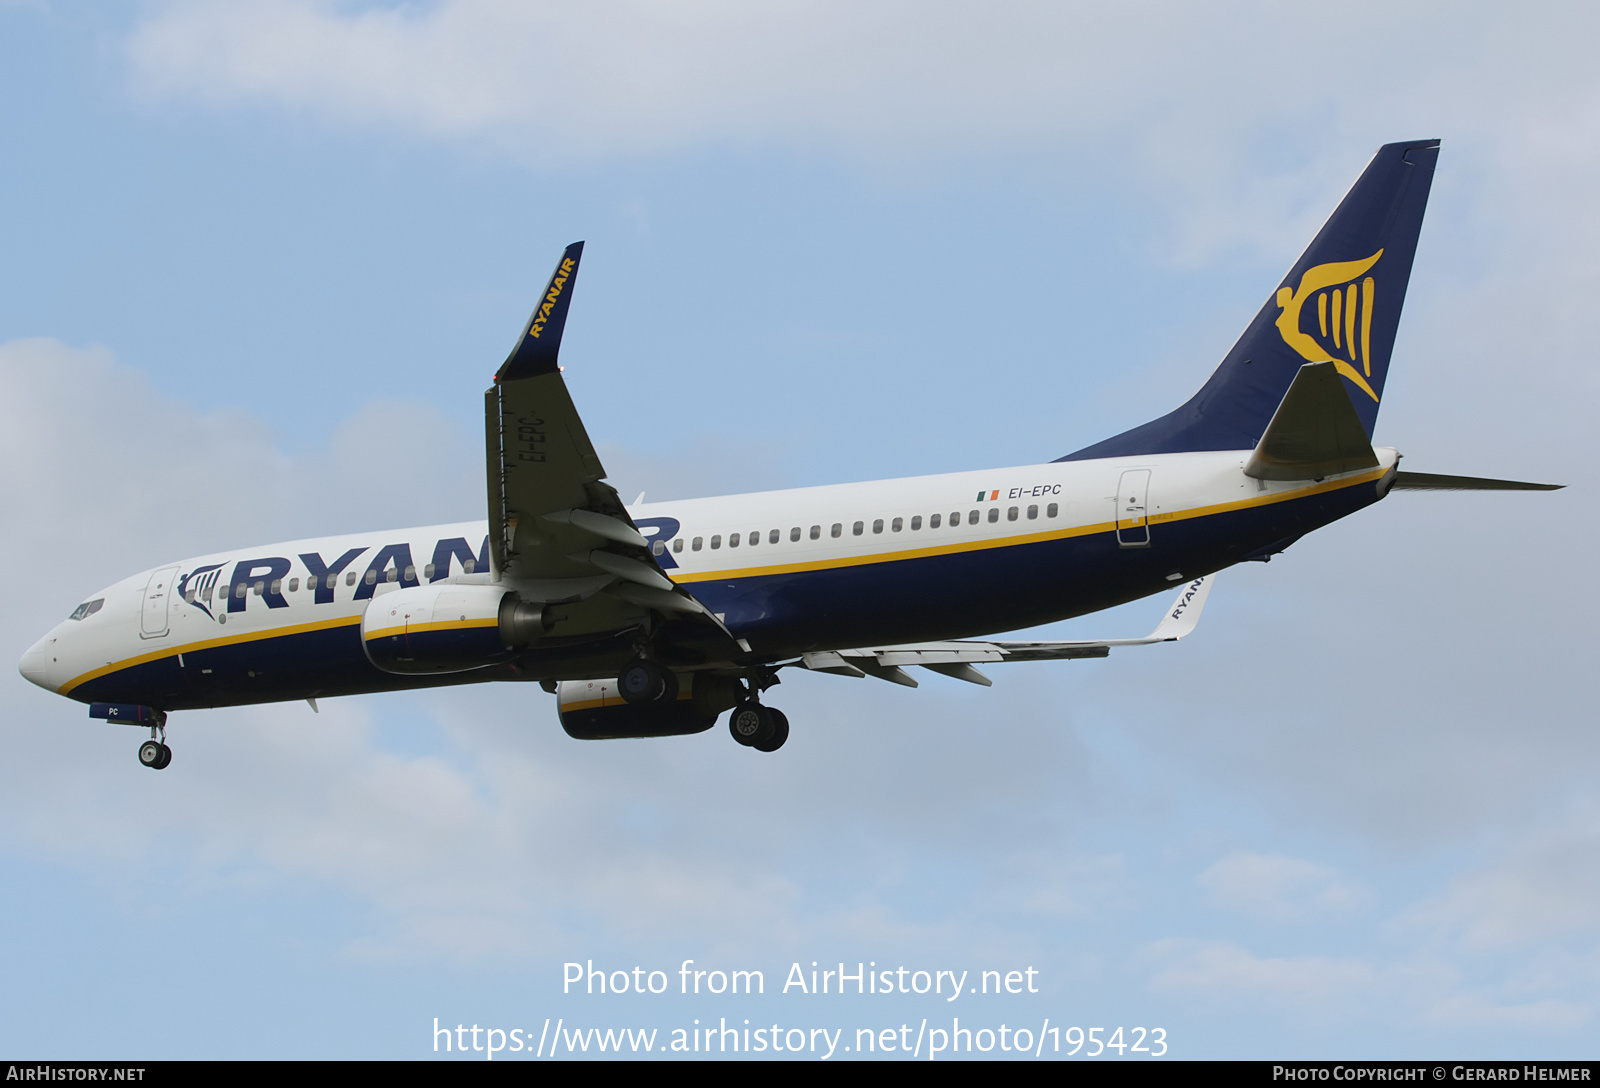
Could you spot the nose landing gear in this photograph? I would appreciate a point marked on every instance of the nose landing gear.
(154, 752)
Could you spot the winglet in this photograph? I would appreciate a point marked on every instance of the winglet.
(540, 342)
(1184, 614)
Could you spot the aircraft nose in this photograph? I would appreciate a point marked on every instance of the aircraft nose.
(37, 665)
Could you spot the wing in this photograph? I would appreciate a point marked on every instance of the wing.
(957, 658)
(558, 533)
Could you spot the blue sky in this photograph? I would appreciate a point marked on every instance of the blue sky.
(259, 260)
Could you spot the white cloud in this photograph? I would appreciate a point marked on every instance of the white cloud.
(1274, 888)
(1416, 989)
(1223, 970)
(1174, 98)
(1543, 889)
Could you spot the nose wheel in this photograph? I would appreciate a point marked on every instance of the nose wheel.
(154, 752)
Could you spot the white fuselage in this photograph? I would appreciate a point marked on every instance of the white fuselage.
(715, 547)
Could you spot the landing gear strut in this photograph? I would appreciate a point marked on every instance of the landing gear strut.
(154, 752)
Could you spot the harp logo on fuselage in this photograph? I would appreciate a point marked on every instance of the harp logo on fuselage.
(1344, 296)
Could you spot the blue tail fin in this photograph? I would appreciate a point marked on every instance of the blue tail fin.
(1340, 303)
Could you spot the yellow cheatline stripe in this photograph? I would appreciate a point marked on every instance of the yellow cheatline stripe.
(419, 628)
(750, 572)
(209, 644)
(1028, 538)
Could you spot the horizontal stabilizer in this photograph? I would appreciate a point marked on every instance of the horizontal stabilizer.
(957, 658)
(1315, 432)
(1428, 481)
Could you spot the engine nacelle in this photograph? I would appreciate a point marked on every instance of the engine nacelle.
(594, 710)
(447, 628)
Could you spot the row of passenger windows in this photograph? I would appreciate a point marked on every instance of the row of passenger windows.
(894, 525)
(330, 581)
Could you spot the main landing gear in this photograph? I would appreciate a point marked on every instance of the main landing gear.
(154, 752)
(763, 728)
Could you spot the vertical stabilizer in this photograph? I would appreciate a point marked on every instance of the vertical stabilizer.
(1340, 304)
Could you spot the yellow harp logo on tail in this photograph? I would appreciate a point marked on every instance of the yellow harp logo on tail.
(1344, 303)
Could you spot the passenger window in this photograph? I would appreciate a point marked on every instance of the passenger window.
(816, 532)
(877, 526)
(916, 523)
(933, 522)
(855, 530)
(372, 578)
(794, 534)
(733, 540)
(1050, 511)
(411, 575)
(188, 595)
(258, 587)
(716, 542)
(333, 580)
(277, 587)
(1033, 513)
(392, 574)
(469, 566)
(697, 542)
(427, 571)
(955, 518)
(972, 518)
(755, 537)
(838, 527)
(350, 578)
(776, 535)
(658, 547)
(677, 545)
(1011, 514)
(994, 514)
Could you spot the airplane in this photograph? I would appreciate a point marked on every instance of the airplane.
(653, 619)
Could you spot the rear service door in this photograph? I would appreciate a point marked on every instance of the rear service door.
(1133, 522)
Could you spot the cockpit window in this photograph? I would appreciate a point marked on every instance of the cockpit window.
(87, 608)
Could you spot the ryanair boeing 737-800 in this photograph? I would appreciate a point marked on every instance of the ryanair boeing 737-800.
(654, 620)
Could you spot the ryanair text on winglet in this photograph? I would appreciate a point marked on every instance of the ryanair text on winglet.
(557, 285)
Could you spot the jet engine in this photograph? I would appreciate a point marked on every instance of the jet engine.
(596, 710)
(447, 628)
